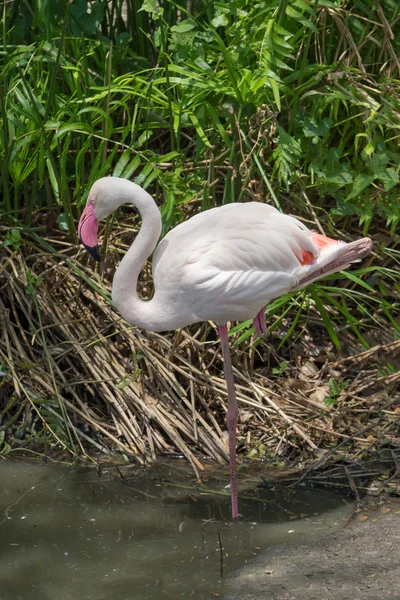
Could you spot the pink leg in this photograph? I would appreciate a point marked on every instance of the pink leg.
(260, 325)
(231, 416)
(257, 326)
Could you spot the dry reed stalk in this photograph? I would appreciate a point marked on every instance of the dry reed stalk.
(70, 357)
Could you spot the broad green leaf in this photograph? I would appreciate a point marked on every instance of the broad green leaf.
(184, 26)
(294, 14)
(148, 6)
(338, 178)
(220, 21)
(361, 182)
(369, 149)
(62, 222)
(201, 63)
(304, 6)
(275, 91)
(389, 178)
(167, 157)
(313, 128)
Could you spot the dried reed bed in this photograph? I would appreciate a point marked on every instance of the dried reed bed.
(76, 376)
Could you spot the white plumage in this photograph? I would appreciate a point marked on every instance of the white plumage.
(227, 263)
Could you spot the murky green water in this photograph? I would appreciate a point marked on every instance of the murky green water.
(69, 534)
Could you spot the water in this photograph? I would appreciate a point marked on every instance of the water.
(69, 534)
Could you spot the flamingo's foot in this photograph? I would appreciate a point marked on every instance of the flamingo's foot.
(260, 325)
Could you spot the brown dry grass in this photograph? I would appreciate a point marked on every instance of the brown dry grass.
(79, 378)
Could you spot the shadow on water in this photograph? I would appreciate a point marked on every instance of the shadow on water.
(68, 534)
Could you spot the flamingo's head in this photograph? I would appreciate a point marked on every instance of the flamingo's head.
(103, 199)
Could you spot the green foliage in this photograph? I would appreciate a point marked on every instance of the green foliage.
(13, 239)
(281, 369)
(281, 100)
(84, 89)
(33, 282)
(335, 389)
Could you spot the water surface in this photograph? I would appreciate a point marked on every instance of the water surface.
(69, 534)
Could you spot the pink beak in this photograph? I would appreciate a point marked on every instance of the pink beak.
(87, 231)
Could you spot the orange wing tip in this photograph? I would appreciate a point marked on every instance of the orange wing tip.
(321, 241)
(307, 258)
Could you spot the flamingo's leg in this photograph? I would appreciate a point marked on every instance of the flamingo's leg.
(231, 417)
(260, 325)
(257, 326)
(261, 329)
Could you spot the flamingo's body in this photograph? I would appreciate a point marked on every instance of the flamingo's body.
(224, 264)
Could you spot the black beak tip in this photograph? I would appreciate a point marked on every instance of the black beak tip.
(94, 252)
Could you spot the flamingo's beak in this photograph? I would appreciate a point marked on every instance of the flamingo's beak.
(87, 231)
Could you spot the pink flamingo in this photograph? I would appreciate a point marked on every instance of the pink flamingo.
(224, 264)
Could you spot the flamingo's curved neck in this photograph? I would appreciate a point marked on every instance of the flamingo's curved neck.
(124, 294)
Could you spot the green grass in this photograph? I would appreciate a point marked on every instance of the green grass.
(293, 95)
(292, 102)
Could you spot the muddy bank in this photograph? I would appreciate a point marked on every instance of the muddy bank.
(361, 561)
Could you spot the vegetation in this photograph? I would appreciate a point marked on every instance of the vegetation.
(292, 102)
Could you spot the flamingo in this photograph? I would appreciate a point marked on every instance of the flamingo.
(224, 264)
